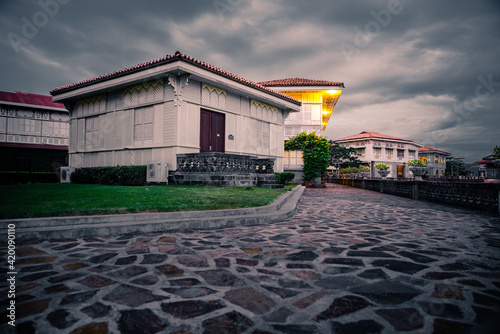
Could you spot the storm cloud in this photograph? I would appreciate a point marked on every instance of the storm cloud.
(421, 70)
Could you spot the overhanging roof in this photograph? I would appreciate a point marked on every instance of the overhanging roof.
(373, 135)
(298, 82)
(178, 63)
(30, 100)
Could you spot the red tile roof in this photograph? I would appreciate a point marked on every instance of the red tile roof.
(426, 148)
(178, 56)
(371, 134)
(300, 82)
(28, 98)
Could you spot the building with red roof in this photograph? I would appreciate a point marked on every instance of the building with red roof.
(489, 168)
(435, 160)
(158, 112)
(34, 132)
(318, 98)
(373, 147)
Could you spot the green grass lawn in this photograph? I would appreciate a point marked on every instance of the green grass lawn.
(51, 200)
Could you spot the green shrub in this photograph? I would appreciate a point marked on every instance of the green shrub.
(382, 166)
(315, 153)
(364, 168)
(349, 170)
(416, 163)
(284, 178)
(120, 175)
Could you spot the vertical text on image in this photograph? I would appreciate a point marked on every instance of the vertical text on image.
(11, 273)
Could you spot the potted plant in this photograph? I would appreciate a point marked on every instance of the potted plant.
(344, 172)
(364, 171)
(353, 171)
(383, 169)
(418, 168)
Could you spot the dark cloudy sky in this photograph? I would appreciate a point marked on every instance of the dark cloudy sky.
(423, 70)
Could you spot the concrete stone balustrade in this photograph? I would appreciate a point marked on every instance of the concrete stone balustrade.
(221, 169)
(471, 195)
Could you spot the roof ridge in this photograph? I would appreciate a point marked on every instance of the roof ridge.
(430, 148)
(301, 82)
(373, 134)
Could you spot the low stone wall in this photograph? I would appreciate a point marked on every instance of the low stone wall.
(484, 197)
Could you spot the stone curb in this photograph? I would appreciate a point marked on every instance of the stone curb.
(49, 228)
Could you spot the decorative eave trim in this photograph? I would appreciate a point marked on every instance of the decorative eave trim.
(146, 85)
(212, 88)
(94, 98)
(267, 106)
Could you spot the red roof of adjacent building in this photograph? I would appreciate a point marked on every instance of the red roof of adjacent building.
(426, 148)
(178, 56)
(28, 98)
(371, 134)
(300, 82)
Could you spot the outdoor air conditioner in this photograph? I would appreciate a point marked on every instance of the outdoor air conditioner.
(157, 172)
(65, 174)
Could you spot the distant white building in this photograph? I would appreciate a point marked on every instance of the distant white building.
(373, 148)
(435, 160)
(488, 169)
(34, 132)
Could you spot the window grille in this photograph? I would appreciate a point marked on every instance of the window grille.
(143, 124)
(92, 131)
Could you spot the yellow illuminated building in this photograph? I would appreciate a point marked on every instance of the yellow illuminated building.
(318, 98)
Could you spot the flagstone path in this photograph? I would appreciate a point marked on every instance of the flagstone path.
(349, 261)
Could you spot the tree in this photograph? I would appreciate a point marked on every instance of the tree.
(343, 157)
(315, 153)
(455, 167)
(496, 152)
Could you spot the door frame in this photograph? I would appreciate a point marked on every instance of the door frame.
(216, 140)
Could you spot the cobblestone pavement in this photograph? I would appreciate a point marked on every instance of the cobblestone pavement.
(349, 261)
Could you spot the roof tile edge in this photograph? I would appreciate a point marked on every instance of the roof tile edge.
(178, 56)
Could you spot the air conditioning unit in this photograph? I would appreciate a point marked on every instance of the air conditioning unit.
(65, 174)
(157, 172)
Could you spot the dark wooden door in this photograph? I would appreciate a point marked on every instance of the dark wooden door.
(212, 131)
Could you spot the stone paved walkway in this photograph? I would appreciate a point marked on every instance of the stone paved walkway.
(349, 261)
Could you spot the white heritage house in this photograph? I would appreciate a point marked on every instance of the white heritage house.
(373, 148)
(180, 114)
